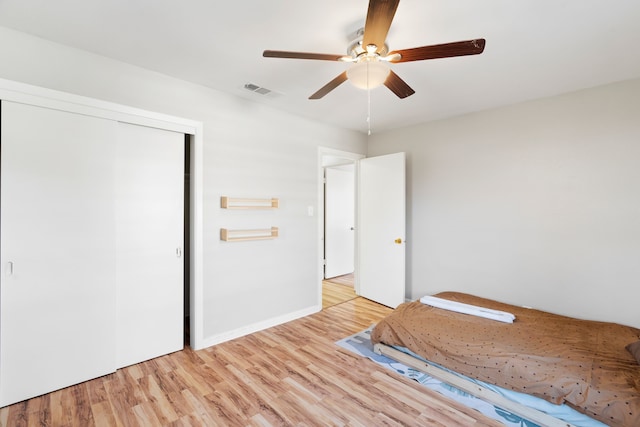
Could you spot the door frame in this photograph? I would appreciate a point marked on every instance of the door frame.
(43, 97)
(324, 154)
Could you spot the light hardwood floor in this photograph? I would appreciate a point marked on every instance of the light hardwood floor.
(347, 280)
(288, 375)
(337, 290)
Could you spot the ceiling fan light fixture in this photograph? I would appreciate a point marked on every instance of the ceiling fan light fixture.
(369, 54)
(368, 74)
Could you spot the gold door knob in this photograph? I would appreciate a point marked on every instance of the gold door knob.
(398, 241)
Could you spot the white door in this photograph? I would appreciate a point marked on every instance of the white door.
(57, 251)
(381, 229)
(149, 239)
(339, 221)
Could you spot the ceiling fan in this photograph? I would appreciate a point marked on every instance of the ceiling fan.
(370, 54)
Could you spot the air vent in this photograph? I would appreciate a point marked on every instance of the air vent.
(257, 89)
(262, 91)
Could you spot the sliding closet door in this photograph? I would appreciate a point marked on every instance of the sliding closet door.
(57, 252)
(149, 218)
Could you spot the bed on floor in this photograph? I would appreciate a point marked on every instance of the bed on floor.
(583, 365)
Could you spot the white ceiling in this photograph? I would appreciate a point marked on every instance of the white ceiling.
(535, 48)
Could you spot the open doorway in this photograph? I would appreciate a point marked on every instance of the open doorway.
(338, 226)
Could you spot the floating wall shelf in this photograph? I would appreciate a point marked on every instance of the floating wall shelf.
(238, 203)
(245, 235)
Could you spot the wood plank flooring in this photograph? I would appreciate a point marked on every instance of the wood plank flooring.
(336, 292)
(288, 375)
(347, 280)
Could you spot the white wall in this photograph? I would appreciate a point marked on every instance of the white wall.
(250, 150)
(535, 204)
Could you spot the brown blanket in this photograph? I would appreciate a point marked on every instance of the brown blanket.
(561, 359)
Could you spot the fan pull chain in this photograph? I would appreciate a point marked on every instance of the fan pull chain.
(368, 111)
(368, 103)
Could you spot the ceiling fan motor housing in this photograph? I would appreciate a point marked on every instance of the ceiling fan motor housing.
(356, 50)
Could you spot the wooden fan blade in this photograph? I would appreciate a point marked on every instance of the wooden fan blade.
(398, 86)
(446, 50)
(300, 55)
(379, 17)
(330, 86)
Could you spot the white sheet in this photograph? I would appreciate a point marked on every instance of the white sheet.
(501, 316)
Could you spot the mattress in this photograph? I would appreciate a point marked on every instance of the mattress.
(581, 363)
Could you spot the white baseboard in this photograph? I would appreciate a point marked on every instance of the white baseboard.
(249, 329)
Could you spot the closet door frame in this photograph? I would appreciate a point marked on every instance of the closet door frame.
(43, 97)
